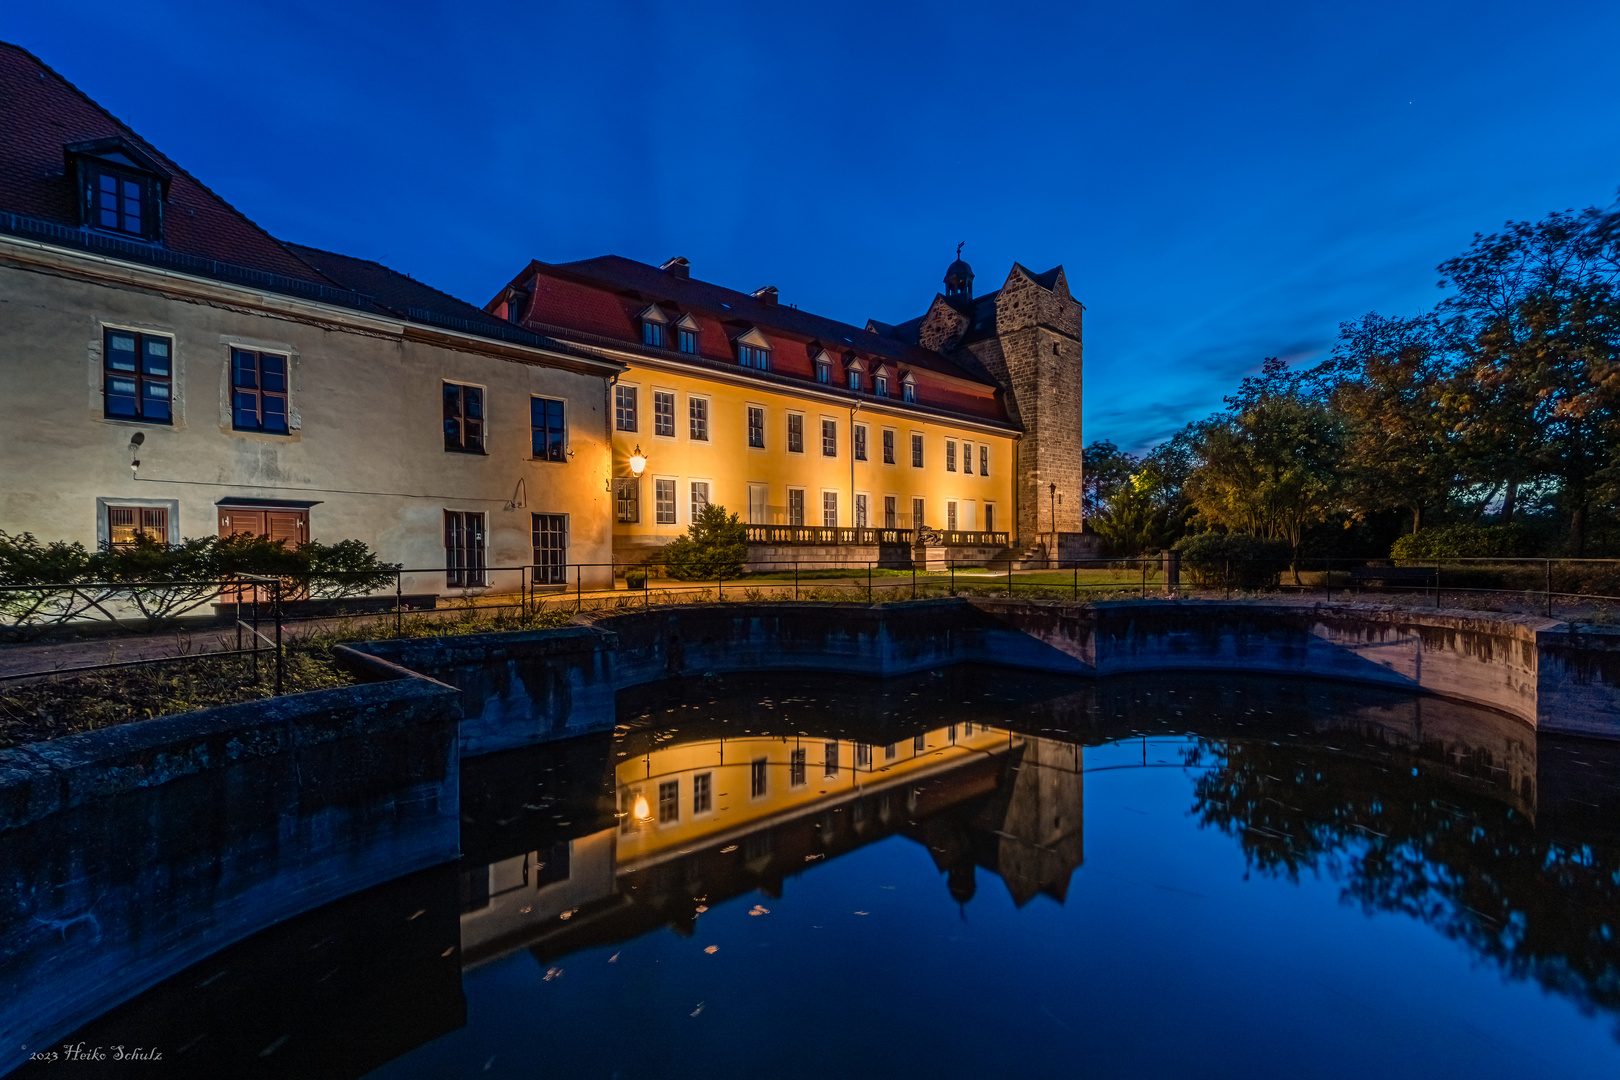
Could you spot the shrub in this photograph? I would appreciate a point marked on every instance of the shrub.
(1231, 558)
(1466, 542)
(715, 546)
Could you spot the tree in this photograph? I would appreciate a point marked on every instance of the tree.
(1391, 390)
(1271, 471)
(1105, 469)
(714, 546)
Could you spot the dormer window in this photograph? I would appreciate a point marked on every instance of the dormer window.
(754, 351)
(880, 382)
(653, 325)
(854, 378)
(823, 364)
(908, 388)
(514, 306)
(854, 373)
(686, 332)
(120, 188)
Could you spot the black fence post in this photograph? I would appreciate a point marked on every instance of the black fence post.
(1077, 583)
(579, 587)
(953, 576)
(868, 581)
(1549, 589)
(258, 641)
(281, 665)
(1227, 577)
(1144, 581)
(914, 578)
(399, 602)
(795, 579)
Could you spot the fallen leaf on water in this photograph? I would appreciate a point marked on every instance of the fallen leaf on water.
(567, 914)
(712, 949)
(553, 973)
(612, 958)
(813, 858)
(728, 849)
(698, 1009)
(701, 908)
(862, 913)
(759, 909)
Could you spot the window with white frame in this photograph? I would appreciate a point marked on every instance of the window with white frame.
(624, 408)
(950, 455)
(664, 501)
(700, 498)
(967, 458)
(829, 438)
(829, 509)
(860, 442)
(697, 413)
(984, 459)
(664, 413)
(756, 427)
(860, 510)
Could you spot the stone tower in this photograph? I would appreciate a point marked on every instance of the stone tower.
(1027, 336)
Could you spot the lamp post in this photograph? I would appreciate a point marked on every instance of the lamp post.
(1052, 491)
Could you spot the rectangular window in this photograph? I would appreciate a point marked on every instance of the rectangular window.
(889, 512)
(890, 751)
(829, 758)
(624, 408)
(908, 391)
(829, 509)
(463, 549)
(652, 333)
(554, 864)
(702, 793)
(664, 413)
(860, 511)
(888, 448)
(984, 460)
(795, 433)
(697, 411)
(138, 376)
(880, 385)
(989, 517)
(669, 802)
(548, 433)
(756, 427)
(967, 458)
(824, 373)
(126, 523)
(860, 442)
(863, 756)
(796, 768)
(756, 777)
(627, 499)
(463, 418)
(664, 501)
(919, 744)
(550, 546)
(916, 451)
(950, 455)
(829, 438)
(700, 498)
(754, 357)
(916, 513)
(758, 504)
(854, 379)
(121, 203)
(795, 506)
(259, 397)
(950, 515)
(688, 340)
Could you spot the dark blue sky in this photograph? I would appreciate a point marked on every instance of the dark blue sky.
(1223, 182)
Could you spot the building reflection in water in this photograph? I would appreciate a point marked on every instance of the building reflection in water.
(701, 821)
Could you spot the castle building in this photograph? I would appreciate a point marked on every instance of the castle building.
(832, 441)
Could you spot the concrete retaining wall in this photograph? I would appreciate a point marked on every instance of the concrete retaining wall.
(525, 688)
(133, 851)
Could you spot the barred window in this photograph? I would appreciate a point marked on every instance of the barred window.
(664, 501)
(463, 549)
(624, 408)
(463, 418)
(697, 410)
(126, 523)
(627, 499)
(664, 413)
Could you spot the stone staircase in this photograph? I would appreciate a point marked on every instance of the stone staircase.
(1028, 556)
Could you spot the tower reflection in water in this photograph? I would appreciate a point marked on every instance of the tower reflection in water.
(701, 821)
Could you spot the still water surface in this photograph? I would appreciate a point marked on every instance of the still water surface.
(969, 874)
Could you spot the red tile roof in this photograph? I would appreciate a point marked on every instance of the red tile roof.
(41, 112)
(603, 297)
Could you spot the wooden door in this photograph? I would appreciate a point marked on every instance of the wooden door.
(289, 526)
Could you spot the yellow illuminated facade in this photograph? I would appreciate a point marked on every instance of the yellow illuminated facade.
(781, 458)
(706, 792)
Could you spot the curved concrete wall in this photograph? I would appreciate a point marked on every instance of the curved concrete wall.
(133, 851)
(532, 687)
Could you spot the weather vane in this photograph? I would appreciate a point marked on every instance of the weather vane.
(959, 249)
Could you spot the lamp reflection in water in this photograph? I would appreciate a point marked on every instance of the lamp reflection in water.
(642, 811)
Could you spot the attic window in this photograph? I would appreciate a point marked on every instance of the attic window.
(120, 189)
(823, 371)
(908, 388)
(687, 335)
(653, 325)
(754, 350)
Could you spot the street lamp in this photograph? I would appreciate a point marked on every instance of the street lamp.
(638, 462)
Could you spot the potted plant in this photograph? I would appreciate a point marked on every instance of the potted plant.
(635, 579)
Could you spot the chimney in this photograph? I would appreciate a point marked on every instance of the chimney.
(678, 267)
(765, 294)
